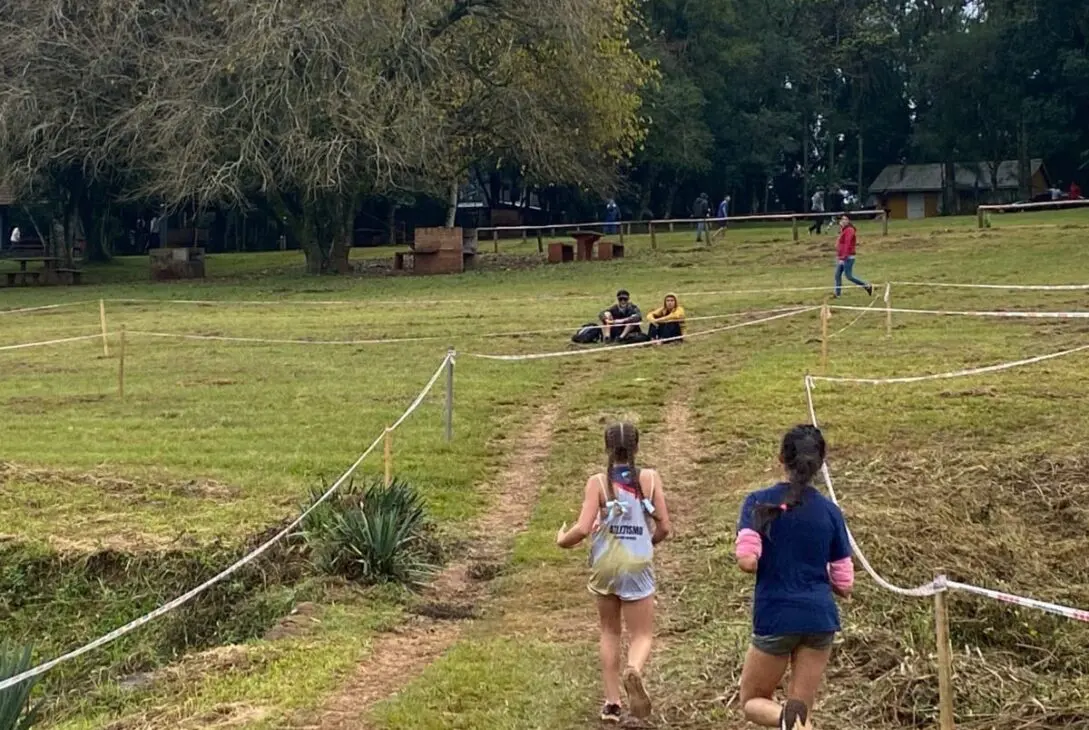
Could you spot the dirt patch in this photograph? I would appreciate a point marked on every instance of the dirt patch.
(298, 623)
(37, 403)
(399, 656)
(115, 486)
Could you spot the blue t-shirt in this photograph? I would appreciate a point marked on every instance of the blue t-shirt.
(793, 591)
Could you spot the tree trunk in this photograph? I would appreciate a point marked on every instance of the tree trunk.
(862, 192)
(949, 190)
(1024, 166)
(805, 162)
(452, 201)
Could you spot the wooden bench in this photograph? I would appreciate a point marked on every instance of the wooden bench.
(70, 276)
(28, 247)
(607, 250)
(22, 276)
(559, 252)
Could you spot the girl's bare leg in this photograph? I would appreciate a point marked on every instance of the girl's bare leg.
(806, 671)
(608, 609)
(639, 618)
(760, 677)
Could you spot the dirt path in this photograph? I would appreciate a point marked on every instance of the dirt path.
(399, 656)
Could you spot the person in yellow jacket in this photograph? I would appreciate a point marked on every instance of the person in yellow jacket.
(667, 322)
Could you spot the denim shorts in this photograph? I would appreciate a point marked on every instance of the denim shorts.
(785, 644)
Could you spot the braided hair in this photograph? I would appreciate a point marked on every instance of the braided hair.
(621, 445)
(802, 453)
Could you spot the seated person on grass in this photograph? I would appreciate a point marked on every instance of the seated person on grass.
(667, 322)
(622, 319)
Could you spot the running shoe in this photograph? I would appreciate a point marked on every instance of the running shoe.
(638, 699)
(611, 713)
(795, 716)
(869, 289)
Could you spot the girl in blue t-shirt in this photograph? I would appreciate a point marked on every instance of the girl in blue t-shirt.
(795, 540)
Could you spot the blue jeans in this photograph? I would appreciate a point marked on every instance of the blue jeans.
(845, 268)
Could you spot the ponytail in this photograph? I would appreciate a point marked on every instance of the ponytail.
(802, 454)
(621, 445)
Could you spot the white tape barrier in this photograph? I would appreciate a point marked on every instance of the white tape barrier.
(279, 341)
(600, 350)
(853, 322)
(44, 307)
(927, 589)
(952, 374)
(487, 335)
(44, 343)
(1009, 287)
(941, 583)
(227, 572)
(1012, 314)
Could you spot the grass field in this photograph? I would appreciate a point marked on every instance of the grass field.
(112, 506)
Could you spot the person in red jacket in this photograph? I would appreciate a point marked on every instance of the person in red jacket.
(845, 257)
(1075, 191)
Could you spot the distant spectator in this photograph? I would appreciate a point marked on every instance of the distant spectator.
(816, 205)
(1056, 193)
(700, 210)
(724, 210)
(667, 322)
(154, 240)
(612, 215)
(16, 236)
(622, 319)
(1075, 191)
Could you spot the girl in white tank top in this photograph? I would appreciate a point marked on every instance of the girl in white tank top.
(625, 510)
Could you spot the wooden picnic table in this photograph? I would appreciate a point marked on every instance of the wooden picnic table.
(584, 244)
(50, 266)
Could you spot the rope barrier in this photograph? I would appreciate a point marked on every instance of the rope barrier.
(852, 323)
(599, 350)
(45, 307)
(952, 374)
(24, 345)
(942, 583)
(280, 341)
(1024, 287)
(231, 569)
(1013, 314)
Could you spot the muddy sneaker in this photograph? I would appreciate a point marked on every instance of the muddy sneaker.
(638, 699)
(795, 716)
(611, 713)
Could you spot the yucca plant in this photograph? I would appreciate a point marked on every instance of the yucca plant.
(16, 712)
(377, 534)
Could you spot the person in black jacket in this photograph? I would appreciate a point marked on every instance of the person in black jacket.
(622, 319)
(700, 210)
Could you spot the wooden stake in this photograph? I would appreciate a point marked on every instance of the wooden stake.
(945, 662)
(121, 367)
(653, 238)
(495, 240)
(888, 310)
(102, 318)
(389, 456)
(825, 316)
(794, 227)
(449, 414)
(540, 242)
(884, 224)
(979, 217)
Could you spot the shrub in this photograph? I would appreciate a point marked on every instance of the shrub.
(376, 534)
(16, 712)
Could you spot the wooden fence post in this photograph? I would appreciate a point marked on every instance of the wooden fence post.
(388, 447)
(620, 228)
(794, 226)
(979, 217)
(653, 238)
(540, 242)
(885, 223)
(945, 662)
(121, 367)
(449, 415)
(826, 314)
(102, 318)
(495, 240)
(888, 310)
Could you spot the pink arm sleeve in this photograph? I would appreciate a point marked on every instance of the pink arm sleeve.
(842, 574)
(748, 544)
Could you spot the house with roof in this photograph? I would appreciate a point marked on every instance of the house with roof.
(915, 191)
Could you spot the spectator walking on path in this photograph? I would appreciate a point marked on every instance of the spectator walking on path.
(624, 512)
(816, 205)
(794, 540)
(845, 257)
(700, 210)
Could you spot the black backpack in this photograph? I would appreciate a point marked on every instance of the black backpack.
(587, 334)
